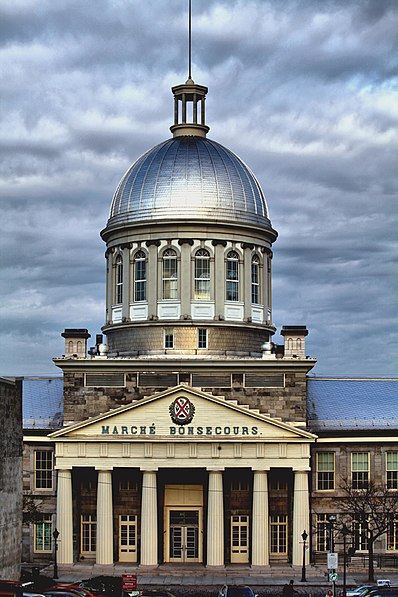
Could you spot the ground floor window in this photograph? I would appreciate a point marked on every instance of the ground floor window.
(43, 534)
(392, 533)
(322, 532)
(88, 533)
(360, 530)
(278, 534)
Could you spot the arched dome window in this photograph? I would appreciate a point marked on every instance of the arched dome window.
(119, 280)
(232, 276)
(140, 276)
(202, 275)
(255, 280)
(170, 278)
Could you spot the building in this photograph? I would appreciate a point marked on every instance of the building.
(187, 436)
(10, 479)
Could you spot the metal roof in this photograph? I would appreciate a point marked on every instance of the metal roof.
(349, 403)
(189, 178)
(42, 402)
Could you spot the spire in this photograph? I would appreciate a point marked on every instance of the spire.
(188, 98)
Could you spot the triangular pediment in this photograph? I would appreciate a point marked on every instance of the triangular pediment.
(183, 411)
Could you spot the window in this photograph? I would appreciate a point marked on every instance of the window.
(360, 470)
(43, 469)
(169, 338)
(255, 280)
(202, 275)
(202, 338)
(392, 470)
(119, 280)
(278, 533)
(241, 486)
(232, 275)
(360, 533)
(392, 533)
(88, 533)
(128, 485)
(169, 274)
(43, 534)
(140, 276)
(325, 471)
(322, 532)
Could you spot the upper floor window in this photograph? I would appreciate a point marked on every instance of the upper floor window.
(202, 338)
(359, 470)
(232, 276)
(169, 338)
(43, 469)
(255, 280)
(202, 275)
(43, 533)
(392, 470)
(325, 471)
(169, 274)
(119, 280)
(140, 276)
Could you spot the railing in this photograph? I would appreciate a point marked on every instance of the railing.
(381, 560)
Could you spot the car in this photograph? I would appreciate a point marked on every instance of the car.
(358, 591)
(236, 591)
(13, 588)
(382, 591)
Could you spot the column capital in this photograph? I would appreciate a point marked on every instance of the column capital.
(104, 467)
(149, 469)
(247, 246)
(216, 242)
(185, 241)
(260, 469)
(153, 243)
(215, 469)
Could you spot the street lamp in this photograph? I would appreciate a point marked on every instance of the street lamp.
(55, 535)
(304, 537)
(345, 530)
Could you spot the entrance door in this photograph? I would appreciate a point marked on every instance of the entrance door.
(127, 538)
(239, 539)
(184, 535)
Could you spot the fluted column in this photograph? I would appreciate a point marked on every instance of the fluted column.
(247, 280)
(152, 279)
(215, 520)
(185, 277)
(126, 284)
(260, 548)
(104, 518)
(109, 285)
(64, 517)
(301, 515)
(219, 279)
(149, 520)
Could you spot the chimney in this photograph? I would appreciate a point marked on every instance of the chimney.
(294, 336)
(75, 342)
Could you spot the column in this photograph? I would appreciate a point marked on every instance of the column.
(247, 280)
(215, 520)
(149, 520)
(109, 285)
(185, 284)
(219, 278)
(260, 548)
(268, 312)
(126, 283)
(64, 517)
(301, 515)
(104, 518)
(152, 277)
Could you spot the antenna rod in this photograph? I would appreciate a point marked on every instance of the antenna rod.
(190, 41)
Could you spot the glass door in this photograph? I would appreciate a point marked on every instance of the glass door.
(239, 539)
(184, 535)
(127, 538)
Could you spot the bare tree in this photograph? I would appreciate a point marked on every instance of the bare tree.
(372, 508)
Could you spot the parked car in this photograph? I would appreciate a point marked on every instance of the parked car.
(358, 591)
(383, 591)
(13, 588)
(236, 591)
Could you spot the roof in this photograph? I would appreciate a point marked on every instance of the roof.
(352, 403)
(42, 402)
(188, 178)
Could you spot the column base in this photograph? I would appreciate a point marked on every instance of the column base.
(266, 568)
(215, 568)
(147, 567)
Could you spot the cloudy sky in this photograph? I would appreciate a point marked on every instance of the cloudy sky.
(304, 91)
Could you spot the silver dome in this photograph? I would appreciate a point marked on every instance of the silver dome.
(189, 178)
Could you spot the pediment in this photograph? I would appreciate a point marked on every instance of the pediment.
(183, 412)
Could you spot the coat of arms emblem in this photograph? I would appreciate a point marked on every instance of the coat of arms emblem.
(182, 411)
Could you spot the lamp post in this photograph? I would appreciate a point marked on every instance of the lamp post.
(332, 520)
(345, 530)
(304, 537)
(55, 535)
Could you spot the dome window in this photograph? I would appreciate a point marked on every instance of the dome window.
(140, 276)
(119, 281)
(202, 275)
(170, 278)
(255, 280)
(232, 276)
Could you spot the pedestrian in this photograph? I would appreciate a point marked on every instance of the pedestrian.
(289, 590)
(329, 593)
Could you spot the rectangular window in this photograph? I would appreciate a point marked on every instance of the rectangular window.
(43, 529)
(392, 470)
(325, 471)
(128, 485)
(88, 533)
(202, 338)
(241, 486)
(169, 338)
(322, 532)
(360, 470)
(278, 534)
(392, 533)
(43, 469)
(360, 533)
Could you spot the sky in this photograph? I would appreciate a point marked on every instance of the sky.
(304, 91)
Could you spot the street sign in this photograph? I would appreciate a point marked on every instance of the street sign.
(129, 582)
(332, 561)
(333, 576)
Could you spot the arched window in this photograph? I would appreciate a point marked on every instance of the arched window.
(202, 275)
(255, 280)
(232, 275)
(119, 280)
(140, 276)
(170, 274)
